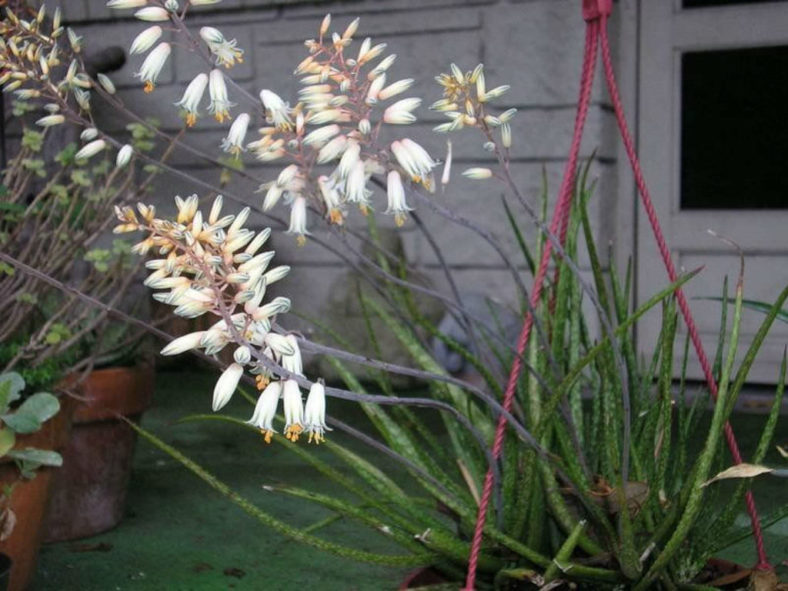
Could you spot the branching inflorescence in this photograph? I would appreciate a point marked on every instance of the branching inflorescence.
(212, 264)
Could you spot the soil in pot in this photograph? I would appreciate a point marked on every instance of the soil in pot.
(90, 489)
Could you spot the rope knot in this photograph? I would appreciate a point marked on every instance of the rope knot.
(596, 9)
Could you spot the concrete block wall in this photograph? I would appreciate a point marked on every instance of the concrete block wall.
(533, 45)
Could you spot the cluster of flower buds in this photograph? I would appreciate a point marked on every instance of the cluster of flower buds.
(466, 102)
(225, 52)
(30, 53)
(212, 264)
(337, 122)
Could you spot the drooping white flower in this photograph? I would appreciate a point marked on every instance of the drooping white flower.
(396, 198)
(506, 135)
(447, 165)
(272, 196)
(265, 410)
(400, 112)
(349, 159)
(226, 51)
(332, 149)
(152, 13)
(190, 101)
(279, 343)
(413, 158)
(331, 198)
(152, 66)
(298, 220)
(226, 385)
(90, 149)
(145, 40)
(124, 156)
(355, 186)
(220, 104)
(293, 363)
(184, 343)
(294, 410)
(233, 143)
(315, 413)
(276, 109)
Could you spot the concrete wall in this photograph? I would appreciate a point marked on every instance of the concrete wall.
(534, 45)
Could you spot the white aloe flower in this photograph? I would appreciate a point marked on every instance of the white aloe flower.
(226, 51)
(447, 165)
(298, 220)
(220, 104)
(277, 109)
(477, 173)
(90, 149)
(293, 363)
(124, 156)
(349, 159)
(400, 112)
(233, 143)
(185, 343)
(242, 355)
(145, 40)
(395, 89)
(121, 4)
(265, 410)
(356, 191)
(506, 135)
(279, 343)
(272, 196)
(50, 120)
(384, 65)
(106, 83)
(331, 198)
(321, 135)
(413, 158)
(226, 385)
(152, 13)
(192, 96)
(187, 208)
(89, 133)
(152, 66)
(396, 198)
(315, 413)
(294, 410)
(276, 274)
(332, 149)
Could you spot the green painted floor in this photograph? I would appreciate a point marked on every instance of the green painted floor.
(181, 535)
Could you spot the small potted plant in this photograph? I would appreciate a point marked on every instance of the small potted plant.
(32, 431)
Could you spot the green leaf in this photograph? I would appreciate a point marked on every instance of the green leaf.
(11, 386)
(7, 440)
(44, 457)
(22, 422)
(42, 406)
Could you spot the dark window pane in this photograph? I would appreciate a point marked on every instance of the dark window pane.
(707, 3)
(734, 134)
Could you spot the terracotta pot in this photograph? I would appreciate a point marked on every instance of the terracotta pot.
(90, 489)
(30, 497)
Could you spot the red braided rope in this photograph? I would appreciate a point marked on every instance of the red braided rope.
(763, 561)
(595, 12)
(562, 206)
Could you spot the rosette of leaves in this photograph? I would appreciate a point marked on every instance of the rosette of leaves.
(21, 417)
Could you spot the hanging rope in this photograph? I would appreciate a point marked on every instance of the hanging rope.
(596, 13)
